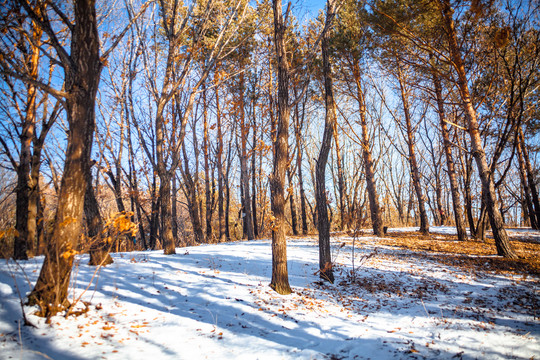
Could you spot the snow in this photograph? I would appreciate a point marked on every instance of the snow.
(214, 302)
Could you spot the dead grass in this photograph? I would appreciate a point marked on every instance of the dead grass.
(475, 255)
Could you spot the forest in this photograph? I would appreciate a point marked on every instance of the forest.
(142, 125)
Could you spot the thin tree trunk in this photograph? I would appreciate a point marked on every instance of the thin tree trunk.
(174, 209)
(154, 217)
(219, 161)
(254, 176)
(415, 172)
(341, 181)
(244, 132)
(525, 185)
(294, 218)
(375, 211)
(325, 256)
(504, 248)
(25, 211)
(228, 195)
(208, 193)
(454, 186)
(530, 178)
(299, 152)
(193, 206)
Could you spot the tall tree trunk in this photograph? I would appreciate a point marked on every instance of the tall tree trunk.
(375, 211)
(254, 176)
(191, 195)
(154, 216)
(299, 152)
(294, 218)
(530, 178)
(280, 276)
(504, 248)
(244, 176)
(165, 176)
(174, 209)
(415, 172)
(82, 73)
(325, 256)
(167, 237)
(454, 186)
(25, 211)
(221, 210)
(525, 184)
(341, 181)
(208, 194)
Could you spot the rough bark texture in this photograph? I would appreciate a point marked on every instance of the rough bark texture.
(325, 255)
(82, 73)
(280, 275)
(375, 211)
(502, 242)
(454, 186)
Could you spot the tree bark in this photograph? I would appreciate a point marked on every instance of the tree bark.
(294, 218)
(26, 206)
(299, 152)
(280, 276)
(502, 242)
(82, 75)
(375, 211)
(208, 194)
(325, 255)
(454, 186)
(525, 184)
(530, 178)
(415, 172)
(341, 181)
(219, 154)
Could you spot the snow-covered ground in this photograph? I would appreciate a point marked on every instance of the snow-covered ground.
(214, 302)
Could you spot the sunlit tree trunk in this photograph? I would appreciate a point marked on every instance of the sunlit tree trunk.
(502, 242)
(82, 69)
(26, 205)
(325, 255)
(454, 186)
(292, 205)
(219, 162)
(280, 276)
(415, 172)
(299, 152)
(375, 211)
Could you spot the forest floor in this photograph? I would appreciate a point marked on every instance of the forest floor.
(409, 296)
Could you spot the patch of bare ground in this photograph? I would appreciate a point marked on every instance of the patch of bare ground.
(470, 255)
